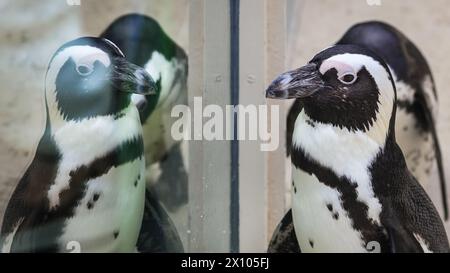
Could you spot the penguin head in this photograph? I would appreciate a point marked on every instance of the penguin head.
(90, 77)
(346, 86)
(145, 43)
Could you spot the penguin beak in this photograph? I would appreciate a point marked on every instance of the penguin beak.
(299, 83)
(132, 78)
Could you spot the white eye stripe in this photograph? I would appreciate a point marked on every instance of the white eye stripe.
(114, 45)
(345, 79)
(85, 69)
(341, 67)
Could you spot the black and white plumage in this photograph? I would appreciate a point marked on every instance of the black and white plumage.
(416, 98)
(416, 115)
(145, 43)
(352, 190)
(85, 185)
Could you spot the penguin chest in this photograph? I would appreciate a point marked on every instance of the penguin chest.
(108, 218)
(417, 146)
(321, 224)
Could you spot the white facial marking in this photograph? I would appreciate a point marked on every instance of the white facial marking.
(386, 97)
(114, 45)
(342, 68)
(82, 56)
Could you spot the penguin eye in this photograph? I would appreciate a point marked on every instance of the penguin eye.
(84, 70)
(348, 78)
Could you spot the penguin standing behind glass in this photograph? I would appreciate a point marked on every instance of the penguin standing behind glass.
(85, 187)
(416, 115)
(145, 43)
(352, 190)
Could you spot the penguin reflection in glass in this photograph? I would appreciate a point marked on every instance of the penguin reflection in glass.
(145, 43)
(352, 190)
(416, 112)
(86, 183)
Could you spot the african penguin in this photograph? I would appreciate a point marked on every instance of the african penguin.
(416, 115)
(85, 185)
(417, 102)
(352, 190)
(145, 43)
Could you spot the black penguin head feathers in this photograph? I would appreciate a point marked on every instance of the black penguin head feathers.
(145, 43)
(90, 77)
(345, 85)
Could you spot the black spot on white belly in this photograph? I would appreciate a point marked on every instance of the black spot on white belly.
(405, 128)
(295, 189)
(336, 216)
(311, 243)
(330, 207)
(95, 197)
(355, 209)
(116, 234)
(333, 213)
(137, 180)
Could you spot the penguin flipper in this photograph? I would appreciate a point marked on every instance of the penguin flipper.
(284, 239)
(158, 233)
(411, 220)
(400, 240)
(24, 227)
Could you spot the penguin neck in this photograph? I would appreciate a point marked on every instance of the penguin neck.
(86, 139)
(86, 143)
(337, 147)
(338, 154)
